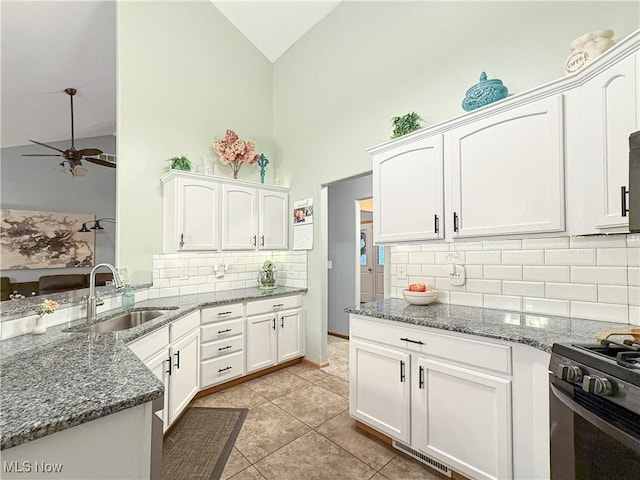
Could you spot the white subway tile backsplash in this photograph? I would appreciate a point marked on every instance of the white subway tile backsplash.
(634, 296)
(529, 289)
(612, 256)
(437, 270)
(464, 298)
(572, 291)
(400, 257)
(633, 276)
(484, 258)
(546, 273)
(634, 315)
(434, 247)
(605, 241)
(502, 245)
(414, 269)
(613, 294)
(443, 284)
(484, 286)
(502, 302)
(545, 243)
(473, 271)
(465, 246)
(523, 257)
(422, 257)
(503, 272)
(605, 312)
(599, 275)
(547, 306)
(582, 256)
(633, 257)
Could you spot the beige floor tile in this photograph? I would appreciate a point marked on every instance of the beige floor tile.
(276, 384)
(313, 457)
(342, 430)
(379, 476)
(401, 468)
(248, 474)
(239, 396)
(338, 355)
(336, 385)
(313, 405)
(236, 463)
(266, 429)
(308, 373)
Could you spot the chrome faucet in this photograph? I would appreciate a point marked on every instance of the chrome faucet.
(93, 300)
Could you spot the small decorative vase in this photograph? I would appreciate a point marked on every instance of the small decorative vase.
(40, 327)
(267, 279)
(235, 166)
(483, 93)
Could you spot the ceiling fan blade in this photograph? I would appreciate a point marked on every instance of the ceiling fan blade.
(98, 161)
(48, 146)
(90, 151)
(41, 155)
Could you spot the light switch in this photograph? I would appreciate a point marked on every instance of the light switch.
(329, 264)
(402, 272)
(184, 274)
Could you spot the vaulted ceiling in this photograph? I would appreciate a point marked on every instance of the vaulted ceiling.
(48, 46)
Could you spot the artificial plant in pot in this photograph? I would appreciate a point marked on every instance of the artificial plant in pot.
(407, 123)
(180, 163)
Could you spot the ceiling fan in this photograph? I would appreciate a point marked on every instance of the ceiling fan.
(72, 156)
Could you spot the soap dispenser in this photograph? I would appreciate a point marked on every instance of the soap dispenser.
(128, 297)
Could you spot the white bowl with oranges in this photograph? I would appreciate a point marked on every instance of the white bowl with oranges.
(419, 294)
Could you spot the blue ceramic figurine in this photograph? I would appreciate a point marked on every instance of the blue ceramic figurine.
(263, 162)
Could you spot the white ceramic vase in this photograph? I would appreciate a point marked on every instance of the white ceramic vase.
(40, 327)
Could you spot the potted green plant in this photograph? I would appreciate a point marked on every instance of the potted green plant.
(407, 123)
(180, 163)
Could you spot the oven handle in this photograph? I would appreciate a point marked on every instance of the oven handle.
(596, 421)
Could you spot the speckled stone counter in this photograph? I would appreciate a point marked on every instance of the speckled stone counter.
(538, 331)
(64, 378)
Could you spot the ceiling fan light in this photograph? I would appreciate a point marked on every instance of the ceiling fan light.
(97, 226)
(78, 171)
(84, 228)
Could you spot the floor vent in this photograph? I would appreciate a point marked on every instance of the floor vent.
(436, 465)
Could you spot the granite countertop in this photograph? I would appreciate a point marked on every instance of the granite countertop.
(64, 378)
(535, 330)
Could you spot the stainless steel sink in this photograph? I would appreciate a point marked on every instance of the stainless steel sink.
(123, 321)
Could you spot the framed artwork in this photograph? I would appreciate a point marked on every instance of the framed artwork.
(32, 239)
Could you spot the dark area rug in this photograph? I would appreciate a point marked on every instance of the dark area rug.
(199, 445)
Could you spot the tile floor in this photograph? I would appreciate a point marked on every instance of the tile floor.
(298, 427)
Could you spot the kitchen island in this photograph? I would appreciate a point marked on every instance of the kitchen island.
(67, 378)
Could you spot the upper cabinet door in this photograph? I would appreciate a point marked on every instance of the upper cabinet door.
(239, 217)
(198, 215)
(610, 103)
(507, 172)
(407, 192)
(273, 219)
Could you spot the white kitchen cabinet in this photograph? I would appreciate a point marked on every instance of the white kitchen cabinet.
(191, 205)
(462, 417)
(184, 379)
(610, 111)
(507, 172)
(379, 388)
(254, 218)
(408, 191)
(275, 332)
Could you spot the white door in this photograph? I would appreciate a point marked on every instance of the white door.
(185, 375)
(378, 271)
(262, 341)
(290, 344)
(408, 192)
(611, 106)
(379, 388)
(462, 418)
(198, 226)
(239, 218)
(507, 172)
(159, 365)
(367, 277)
(273, 220)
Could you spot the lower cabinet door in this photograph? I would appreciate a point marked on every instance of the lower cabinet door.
(159, 365)
(379, 388)
(262, 341)
(462, 418)
(221, 369)
(185, 376)
(290, 344)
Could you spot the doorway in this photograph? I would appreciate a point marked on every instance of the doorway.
(371, 257)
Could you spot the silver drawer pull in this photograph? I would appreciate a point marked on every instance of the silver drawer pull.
(419, 342)
(220, 370)
(278, 305)
(224, 331)
(224, 313)
(225, 348)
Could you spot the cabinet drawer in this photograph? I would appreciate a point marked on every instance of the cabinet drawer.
(221, 347)
(222, 312)
(455, 349)
(150, 344)
(274, 304)
(184, 325)
(218, 330)
(221, 369)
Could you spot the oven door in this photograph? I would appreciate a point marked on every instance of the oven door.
(591, 438)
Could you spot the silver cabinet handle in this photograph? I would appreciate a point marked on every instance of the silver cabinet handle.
(401, 371)
(181, 244)
(421, 378)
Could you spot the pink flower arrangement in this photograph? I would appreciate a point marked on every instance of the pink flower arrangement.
(233, 151)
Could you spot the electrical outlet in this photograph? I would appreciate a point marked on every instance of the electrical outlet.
(184, 274)
(459, 275)
(329, 264)
(401, 272)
